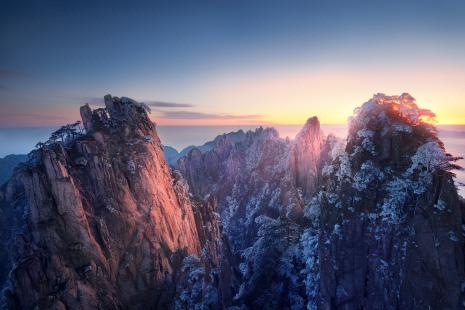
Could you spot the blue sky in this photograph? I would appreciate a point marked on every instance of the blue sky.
(227, 62)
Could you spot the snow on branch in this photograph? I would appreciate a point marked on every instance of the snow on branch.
(402, 107)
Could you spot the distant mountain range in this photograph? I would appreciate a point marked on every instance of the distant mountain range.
(172, 155)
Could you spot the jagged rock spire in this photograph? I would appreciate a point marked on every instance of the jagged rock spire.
(390, 234)
(305, 156)
(86, 116)
(104, 218)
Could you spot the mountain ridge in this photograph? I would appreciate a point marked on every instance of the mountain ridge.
(250, 221)
(103, 217)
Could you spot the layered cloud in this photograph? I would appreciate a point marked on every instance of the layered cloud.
(98, 101)
(167, 112)
(164, 104)
(199, 115)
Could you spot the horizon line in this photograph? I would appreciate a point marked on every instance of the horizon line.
(208, 125)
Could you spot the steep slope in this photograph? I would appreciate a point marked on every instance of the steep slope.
(391, 220)
(305, 154)
(104, 219)
(7, 165)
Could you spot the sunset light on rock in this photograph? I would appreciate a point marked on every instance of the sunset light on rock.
(232, 155)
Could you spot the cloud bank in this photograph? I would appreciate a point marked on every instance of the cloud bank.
(163, 104)
(200, 115)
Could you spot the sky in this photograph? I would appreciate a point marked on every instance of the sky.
(229, 62)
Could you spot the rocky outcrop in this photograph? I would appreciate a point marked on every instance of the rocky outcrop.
(305, 156)
(260, 174)
(208, 280)
(103, 218)
(391, 220)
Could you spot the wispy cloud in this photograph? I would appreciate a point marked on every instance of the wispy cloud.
(163, 104)
(200, 115)
(153, 103)
(169, 111)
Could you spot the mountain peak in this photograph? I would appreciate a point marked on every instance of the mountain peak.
(103, 217)
(311, 127)
(389, 192)
(120, 113)
(312, 121)
(305, 156)
(402, 108)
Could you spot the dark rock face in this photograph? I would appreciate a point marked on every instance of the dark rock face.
(11, 220)
(391, 220)
(7, 165)
(207, 281)
(103, 218)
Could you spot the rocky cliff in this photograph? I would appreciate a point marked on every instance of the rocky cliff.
(103, 218)
(391, 234)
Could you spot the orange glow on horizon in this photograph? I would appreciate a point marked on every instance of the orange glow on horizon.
(282, 96)
(208, 122)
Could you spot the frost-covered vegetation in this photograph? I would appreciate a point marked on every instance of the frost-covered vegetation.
(378, 179)
(65, 134)
(397, 171)
(199, 292)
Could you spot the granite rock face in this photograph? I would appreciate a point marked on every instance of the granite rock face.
(304, 157)
(103, 218)
(391, 234)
